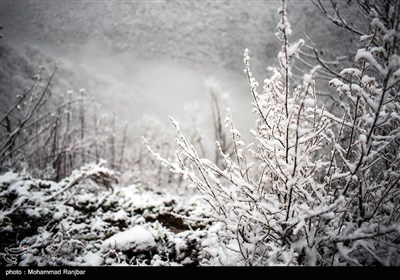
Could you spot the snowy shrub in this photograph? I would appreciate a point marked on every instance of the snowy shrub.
(47, 130)
(365, 158)
(303, 193)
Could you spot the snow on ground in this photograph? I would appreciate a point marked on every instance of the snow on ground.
(85, 223)
(136, 239)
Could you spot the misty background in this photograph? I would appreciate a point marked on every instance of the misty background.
(149, 58)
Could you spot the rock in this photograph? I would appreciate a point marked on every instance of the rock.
(136, 239)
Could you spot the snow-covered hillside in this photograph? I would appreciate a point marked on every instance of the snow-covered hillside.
(88, 219)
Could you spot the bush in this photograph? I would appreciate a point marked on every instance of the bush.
(313, 188)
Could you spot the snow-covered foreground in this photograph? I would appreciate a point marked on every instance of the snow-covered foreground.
(89, 220)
